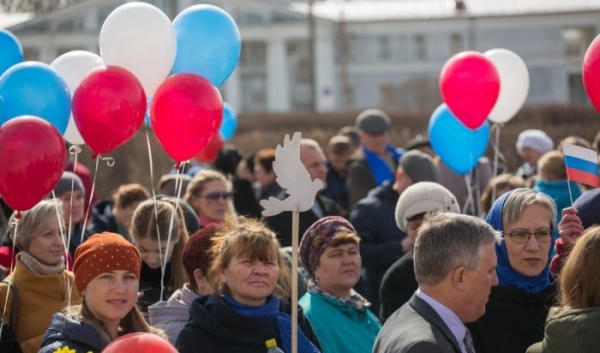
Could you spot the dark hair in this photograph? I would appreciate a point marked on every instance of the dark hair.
(417, 217)
(196, 253)
(265, 158)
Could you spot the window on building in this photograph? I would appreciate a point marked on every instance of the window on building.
(61, 50)
(456, 43)
(420, 50)
(384, 48)
(254, 54)
(31, 54)
(577, 40)
(576, 92)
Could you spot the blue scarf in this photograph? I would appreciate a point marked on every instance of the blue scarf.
(507, 276)
(270, 312)
(380, 169)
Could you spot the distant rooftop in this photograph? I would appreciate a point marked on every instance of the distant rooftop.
(11, 19)
(385, 10)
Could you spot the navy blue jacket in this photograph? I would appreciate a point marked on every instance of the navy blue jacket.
(66, 331)
(381, 239)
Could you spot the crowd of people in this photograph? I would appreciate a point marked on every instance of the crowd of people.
(397, 254)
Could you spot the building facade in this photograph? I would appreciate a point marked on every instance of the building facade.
(367, 53)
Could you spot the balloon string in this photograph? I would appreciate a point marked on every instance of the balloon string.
(110, 162)
(469, 200)
(151, 165)
(497, 155)
(65, 242)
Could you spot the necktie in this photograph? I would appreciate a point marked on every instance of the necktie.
(468, 342)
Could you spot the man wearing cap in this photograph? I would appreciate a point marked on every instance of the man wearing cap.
(376, 160)
(399, 282)
(382, 242)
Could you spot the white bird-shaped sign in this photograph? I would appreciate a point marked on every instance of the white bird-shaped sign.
(293, 177)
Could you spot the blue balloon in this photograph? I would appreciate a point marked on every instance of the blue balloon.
(457, 145)
(11, 52)
(34, 88)
(229, 123)
(208, 43)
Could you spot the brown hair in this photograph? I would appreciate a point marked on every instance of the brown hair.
(197, 184)
(153, 219)
(130, 194)
(343, 237)
(551, 166)
(500, 181)
(133, 321)
(247, 237)
(579, 285)
(265, 158)
(196, 253)
(339, 145)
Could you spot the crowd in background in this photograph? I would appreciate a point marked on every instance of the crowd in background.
(397, 254)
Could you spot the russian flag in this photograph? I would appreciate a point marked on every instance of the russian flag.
(581, 164)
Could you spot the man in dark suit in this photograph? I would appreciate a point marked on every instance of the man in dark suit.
(455, 266)
(314, 161)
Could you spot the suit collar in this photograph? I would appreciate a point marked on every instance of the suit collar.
(427, 312)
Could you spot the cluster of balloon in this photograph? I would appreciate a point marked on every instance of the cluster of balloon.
(591, 72)
(475, 87)
(28, 172)
(140, 343)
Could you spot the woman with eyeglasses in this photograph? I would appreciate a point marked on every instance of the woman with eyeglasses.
(210, 195)
(517, 308)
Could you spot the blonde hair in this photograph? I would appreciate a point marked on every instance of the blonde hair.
(197, 184)
(551, 166)
(247, 237)
(33, 221)
(580, 275)
(152, 220)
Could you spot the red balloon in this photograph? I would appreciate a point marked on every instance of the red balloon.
(186, 114)
(591, 73)
(210, 152)
(140, 342)
(32, 160)
(470, 84)
(109, 108)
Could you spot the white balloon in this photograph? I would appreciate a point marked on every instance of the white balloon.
(514, 84)
(74, 67)
(140, 38)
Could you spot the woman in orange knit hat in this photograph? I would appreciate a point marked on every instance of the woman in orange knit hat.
(107, 275)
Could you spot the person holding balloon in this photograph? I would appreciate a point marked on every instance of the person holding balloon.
(517, 308)
(40, 280)
(250, 308)
(159, 233)
(107, 276)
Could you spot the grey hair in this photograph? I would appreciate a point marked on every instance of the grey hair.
(33, 221)
(520, 198)
(447, 241)
(310, 143)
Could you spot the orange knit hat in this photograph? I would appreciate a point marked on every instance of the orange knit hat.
(102, 253)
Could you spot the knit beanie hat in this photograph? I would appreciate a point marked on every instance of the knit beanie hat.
(418, 166)
(317, 237)
(536, 140)
(423, 197)
(102, 253)
(67, 181)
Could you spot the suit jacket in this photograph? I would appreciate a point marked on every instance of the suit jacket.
(416, 328)
(282, 223)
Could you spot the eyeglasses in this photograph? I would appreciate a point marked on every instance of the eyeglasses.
(214, 196)
(522, 236)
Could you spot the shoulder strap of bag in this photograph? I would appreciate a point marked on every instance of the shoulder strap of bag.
(14, 308)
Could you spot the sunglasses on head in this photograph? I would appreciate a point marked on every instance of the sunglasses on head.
(214, 196)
